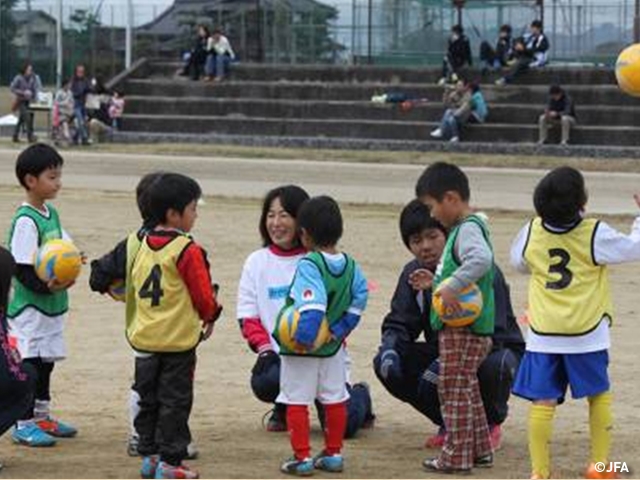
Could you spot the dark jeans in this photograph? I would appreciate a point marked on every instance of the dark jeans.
(266, 387)
(25, 119)
(217, 65)
(42, 376)
(80, 115)
(521, 67)
(419, 387)
(16, 387)
(164, 382)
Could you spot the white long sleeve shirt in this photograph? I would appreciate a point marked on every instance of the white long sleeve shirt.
(610, 247)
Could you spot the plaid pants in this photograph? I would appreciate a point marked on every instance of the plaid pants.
(461, 353)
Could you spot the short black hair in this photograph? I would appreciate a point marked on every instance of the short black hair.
(560, 196)
(506, 28)
(36, 159)
(7, 269)
(322, 220)
(537, 24)
(555, 90)
(415, 219)
(142, 197)
(291, 198)
(171, 191)
(457, 29)
(440, 178)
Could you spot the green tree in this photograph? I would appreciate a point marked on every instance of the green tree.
(7, 34)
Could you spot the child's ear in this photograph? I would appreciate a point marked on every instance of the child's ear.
(30, 180)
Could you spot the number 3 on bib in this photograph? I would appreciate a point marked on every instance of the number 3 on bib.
(560, 267)
(152, 286)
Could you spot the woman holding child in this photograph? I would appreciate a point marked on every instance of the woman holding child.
(264, 285)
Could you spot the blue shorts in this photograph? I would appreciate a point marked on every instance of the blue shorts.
(545, 376)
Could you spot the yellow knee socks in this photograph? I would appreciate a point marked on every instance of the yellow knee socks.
(600, 425)
(540, 430)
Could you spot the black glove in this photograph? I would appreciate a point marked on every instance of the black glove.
(265, 361)
(390, 365)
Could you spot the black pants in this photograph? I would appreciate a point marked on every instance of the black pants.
(42, 382)
(164, 382)
(521, 67)
(25, 118)
(266, 387)
(17, 383)
(419, 388)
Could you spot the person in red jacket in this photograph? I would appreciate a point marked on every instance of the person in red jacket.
(175, 309)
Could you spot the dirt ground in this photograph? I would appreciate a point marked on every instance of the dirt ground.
(91, 387)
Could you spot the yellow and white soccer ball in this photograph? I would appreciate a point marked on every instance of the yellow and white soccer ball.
(287, 326)
(470, 299)
(628, 70)
(58, 260)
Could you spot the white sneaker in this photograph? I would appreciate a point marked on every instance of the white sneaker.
(437, 133)
(454, 140)
(501, 82)
(442, 82)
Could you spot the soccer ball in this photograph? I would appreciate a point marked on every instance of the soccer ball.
(58, 260)
(117, 290)
(628, 70)
(470, 300)
(286, 328)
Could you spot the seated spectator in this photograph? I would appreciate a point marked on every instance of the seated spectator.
(100, 120)
(503, 53)
(24, 87)
(458, 55)
(559, 111)
(197, 56)
(530, 52)
(63, 112)
(219, 56)
(472, 109)
(116, 109)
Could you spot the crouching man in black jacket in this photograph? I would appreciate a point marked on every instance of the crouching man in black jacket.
(408, 368)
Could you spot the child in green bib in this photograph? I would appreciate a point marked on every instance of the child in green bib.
(37, 311)
(467, 259)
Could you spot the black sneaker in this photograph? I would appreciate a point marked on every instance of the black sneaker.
(433, 465)
(485, 461)
(277, 421)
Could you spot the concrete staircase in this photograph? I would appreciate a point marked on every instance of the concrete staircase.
(334, 102)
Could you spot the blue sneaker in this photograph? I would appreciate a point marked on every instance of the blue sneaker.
(56, 428)
(328, 463)
(149, 466)
(165, 470)
(31, 435)
(301, 468)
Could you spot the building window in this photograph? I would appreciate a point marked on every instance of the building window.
(39, 40)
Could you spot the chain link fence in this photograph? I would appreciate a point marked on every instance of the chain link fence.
(391, 32)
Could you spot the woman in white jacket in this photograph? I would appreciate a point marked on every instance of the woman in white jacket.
(219, 56)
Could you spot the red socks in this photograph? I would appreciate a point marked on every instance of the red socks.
(335, 426)
(299, 429)
(298, 426)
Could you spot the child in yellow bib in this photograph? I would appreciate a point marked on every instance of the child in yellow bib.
(169, 287)
(570, 311)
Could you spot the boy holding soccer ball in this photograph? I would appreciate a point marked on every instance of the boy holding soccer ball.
(37, 311)
(570, 313)
(467, 259)
(327, 285)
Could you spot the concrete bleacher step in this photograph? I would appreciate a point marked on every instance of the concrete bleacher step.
(399, 130)
(582, 94)
(336, 73)
(327, 109)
